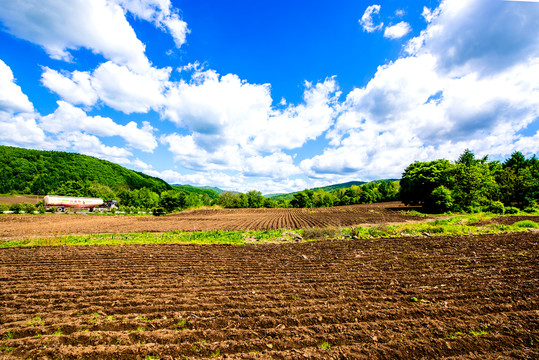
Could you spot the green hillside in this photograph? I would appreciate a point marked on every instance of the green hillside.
(201, 191)
(53, 172)
(328, 188)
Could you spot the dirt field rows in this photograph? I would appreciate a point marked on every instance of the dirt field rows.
(19, 226)
(454, 297)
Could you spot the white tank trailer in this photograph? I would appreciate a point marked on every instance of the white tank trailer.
(64, 203)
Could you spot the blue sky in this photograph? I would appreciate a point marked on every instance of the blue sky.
(276, 95)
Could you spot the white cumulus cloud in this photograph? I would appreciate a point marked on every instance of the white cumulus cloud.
(162, 14)
(367, 21)
(12, 99)
(115, 85)
(60, 29)
(397, 31)
(68, 118)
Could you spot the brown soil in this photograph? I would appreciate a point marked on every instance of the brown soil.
(413, 298)
(27, 226)
(17, 199)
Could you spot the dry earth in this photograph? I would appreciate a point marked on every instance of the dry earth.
(413, 298)
(48, 225)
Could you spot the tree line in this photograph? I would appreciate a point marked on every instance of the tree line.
(472, 184)
(376, 191)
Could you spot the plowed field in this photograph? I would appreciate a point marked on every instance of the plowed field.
(452, 297)
(19, 226)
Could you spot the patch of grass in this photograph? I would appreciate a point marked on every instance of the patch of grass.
(9, 335)
(526, 224)
(454, 335)
(171, 237)
(182, 324)
(483, 331)
(140, 329)
(466, 224)
(96, 317)
(325, 345)
(36, 321)
(58, 331)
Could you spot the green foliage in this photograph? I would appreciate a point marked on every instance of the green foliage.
(440, 199)
(511, 210)
(172, 200)
(496, 207)
(472, 185)
(527, 224)
(421, 178)
(52, 172)
(16, 208)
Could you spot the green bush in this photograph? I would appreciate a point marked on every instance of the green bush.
(16, 208)
(496, 207)
(527, 224)
(28, 208)
(4, 207)
(440, 200)
(511, 210)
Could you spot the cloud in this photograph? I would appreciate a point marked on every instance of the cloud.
(161, 13)
(225, 181)
(69, 119)
(229, 121)
(21, 130)
(124, 90)
(115, 85)
(277, 165)
(226, 107)
(480, 35)
(397, 31)
(12, 99)
(91, 145)
(292, 127)
(367, 21)
(59, 30)
(75, 87)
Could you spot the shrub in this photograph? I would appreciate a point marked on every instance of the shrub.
(496, 207)
(28, 208)
(4, 207)
(16, 208)
(440, 199)
(511, 210)
(527, 224)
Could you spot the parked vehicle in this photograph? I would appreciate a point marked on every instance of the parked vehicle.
(65, 203)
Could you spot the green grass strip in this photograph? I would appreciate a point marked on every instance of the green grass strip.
(454, 226)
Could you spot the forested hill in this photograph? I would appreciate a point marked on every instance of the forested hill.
(211, 192)
(346, 185)
(53, 172)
